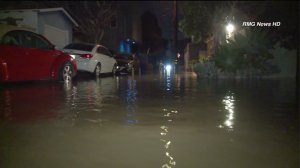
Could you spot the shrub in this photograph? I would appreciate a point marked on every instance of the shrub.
(247, 55)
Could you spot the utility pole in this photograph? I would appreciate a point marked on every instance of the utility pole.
(175, 27)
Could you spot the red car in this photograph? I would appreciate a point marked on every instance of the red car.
(25, 55)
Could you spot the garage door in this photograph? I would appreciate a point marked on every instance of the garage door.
(56, 36)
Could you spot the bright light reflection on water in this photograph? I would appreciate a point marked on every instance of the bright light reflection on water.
(228, 101)
(167, 142)
(168, 79)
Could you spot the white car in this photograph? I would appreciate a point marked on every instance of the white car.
(92, 58)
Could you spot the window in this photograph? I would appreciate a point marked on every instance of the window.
(25, 39)
(104, 51)
(32, 40)
(81, 47)
(28, 40)
(41, 43)
(11, 38)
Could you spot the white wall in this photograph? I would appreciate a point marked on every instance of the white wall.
(29, 18)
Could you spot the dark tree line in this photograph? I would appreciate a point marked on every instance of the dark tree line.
(203, 18)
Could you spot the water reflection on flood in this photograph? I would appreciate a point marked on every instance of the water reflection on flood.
(167, 142)
(130, 98)
(7, 105)
(167, 121)
(168, 80)
(71, 101)
(30, 102)
(168, 116)
(228, 101)
(85, 100)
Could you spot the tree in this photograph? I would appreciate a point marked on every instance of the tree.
(287, 34)
(249, 53)
(195, 22)
(200, 19)
(203, 19)
(93, 17)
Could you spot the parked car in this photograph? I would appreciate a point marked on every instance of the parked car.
(25, 55)
(125, 63)
(93, 58)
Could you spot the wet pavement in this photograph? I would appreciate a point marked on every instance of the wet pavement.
(150, 121)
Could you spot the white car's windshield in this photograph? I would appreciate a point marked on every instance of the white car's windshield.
(78, 46)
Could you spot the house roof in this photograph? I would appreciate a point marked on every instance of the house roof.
(59, 9)
(48, 10)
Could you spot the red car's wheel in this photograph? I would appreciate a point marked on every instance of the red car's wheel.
(66, 72)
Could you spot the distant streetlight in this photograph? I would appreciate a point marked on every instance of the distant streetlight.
(230, 28)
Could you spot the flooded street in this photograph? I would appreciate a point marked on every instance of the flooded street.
(150, 122)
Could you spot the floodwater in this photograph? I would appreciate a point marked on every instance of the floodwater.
(162, 121)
